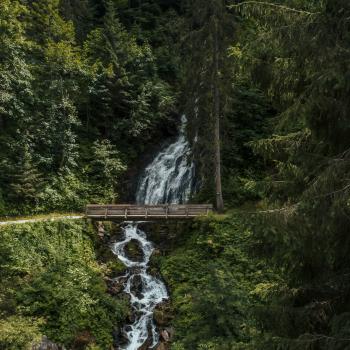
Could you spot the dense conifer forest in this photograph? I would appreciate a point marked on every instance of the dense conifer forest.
(90, 90)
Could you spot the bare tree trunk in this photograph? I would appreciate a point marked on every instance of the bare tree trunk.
(218, 185)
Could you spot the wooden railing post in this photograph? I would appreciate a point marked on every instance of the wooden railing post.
(121, 211)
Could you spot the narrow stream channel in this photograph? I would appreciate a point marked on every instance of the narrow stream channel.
(167, 179)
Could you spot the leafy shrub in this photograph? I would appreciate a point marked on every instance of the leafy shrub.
(49, 271)
(18, 332)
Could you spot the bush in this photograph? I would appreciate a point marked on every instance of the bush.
(18, 332)
(49, 271)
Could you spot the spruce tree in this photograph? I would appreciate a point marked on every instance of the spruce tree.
(26, 180)
(210, 24)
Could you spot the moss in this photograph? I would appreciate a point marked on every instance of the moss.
(115, 268)
(133, 250)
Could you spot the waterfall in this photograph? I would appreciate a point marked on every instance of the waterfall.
(167, 179)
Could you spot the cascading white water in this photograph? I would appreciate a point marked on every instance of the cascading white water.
(152, 293)
(168, 179)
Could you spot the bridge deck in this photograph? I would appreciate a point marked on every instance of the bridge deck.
(147, 212)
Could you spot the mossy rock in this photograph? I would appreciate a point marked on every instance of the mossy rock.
(134, 251)
(163, 314)
(116, 268)
(154, 263)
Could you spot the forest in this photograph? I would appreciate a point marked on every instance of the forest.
(92, 90)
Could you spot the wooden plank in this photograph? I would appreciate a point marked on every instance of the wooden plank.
(162, 211)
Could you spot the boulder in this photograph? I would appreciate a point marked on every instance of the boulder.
(147, 344)
(134, 251)
(171, 332)
(115, 288)
(165, 335)
(136, 286)
(163, 315)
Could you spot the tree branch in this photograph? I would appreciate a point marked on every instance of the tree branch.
(277, 6)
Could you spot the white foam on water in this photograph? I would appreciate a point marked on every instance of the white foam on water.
(168, 179)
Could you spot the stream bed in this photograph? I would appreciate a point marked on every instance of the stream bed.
(168, 179)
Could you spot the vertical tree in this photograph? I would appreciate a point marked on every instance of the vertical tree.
(60, 71)
(217, 109)
(300, 57)
(26, 179)
(16, 92)
(206, 77)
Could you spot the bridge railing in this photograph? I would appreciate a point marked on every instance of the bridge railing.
(130, 211)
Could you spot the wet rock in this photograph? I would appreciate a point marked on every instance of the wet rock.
(147, 344)
(171, 332)
(126, 296)
(165, 335)
(131, 317)
(163, 314)
(122, 338)
(136, 286)
(134, 251)
(46, 344)
(115, 287)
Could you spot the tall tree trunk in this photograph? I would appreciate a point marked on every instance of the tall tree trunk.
(218, 185)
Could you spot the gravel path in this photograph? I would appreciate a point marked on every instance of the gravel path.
(52, 218)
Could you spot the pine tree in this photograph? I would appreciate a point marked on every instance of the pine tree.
(296, 56)
(26, 180)
(206, 73)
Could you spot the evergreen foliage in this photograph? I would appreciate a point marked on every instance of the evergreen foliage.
(216, 285)
(70, 79)
(87, 87)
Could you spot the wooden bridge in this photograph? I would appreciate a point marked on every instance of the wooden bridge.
(147, 212)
